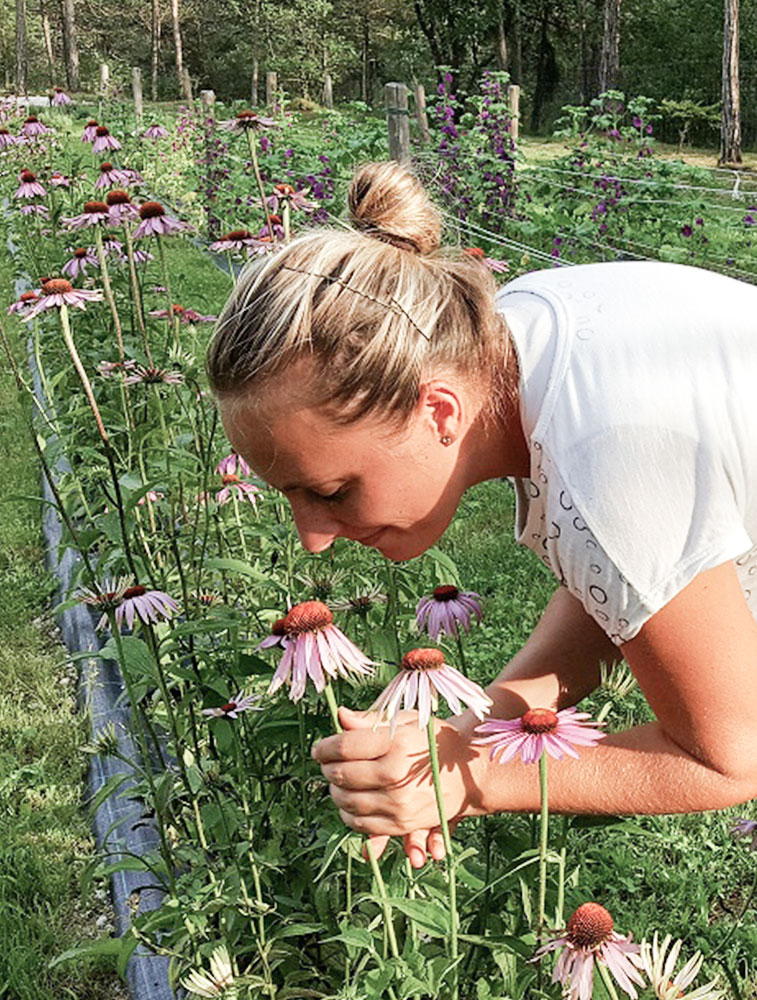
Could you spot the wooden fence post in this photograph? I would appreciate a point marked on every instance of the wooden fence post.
(328, 92)
(271, 87)
(186, 84)
(513, 99)
(104, 80)
(397, 121)
(420, 112)
(136, 86)
(254, 83)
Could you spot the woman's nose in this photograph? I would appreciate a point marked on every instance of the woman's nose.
(316, 531)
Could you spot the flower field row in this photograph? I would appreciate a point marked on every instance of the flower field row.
(235, 647)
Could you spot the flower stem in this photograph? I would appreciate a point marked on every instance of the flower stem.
(104, 273)
(608, 983)
(434, 758)
(461, 651)
(560, 909)
(385, 905)
(136, 292)
(543, 840)
(333, 709)
(259, 179)
(173, 318)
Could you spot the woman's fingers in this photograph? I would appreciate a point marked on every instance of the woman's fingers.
(415, 847)
(353, 744)
(377, 845)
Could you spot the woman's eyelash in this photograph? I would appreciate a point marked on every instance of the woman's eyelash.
(332, 497)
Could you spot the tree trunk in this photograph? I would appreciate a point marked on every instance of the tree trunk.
(22, 64)
(47, 35)
(609, 60)
(154, 48)
(184, 90)
(516, 48)
(501, 45)
(365, 74)
(730, 126)
(547, 72)
(70, 47)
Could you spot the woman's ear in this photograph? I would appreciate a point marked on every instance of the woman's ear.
(441, 405)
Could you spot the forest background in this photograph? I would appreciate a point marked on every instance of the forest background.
(558, 51)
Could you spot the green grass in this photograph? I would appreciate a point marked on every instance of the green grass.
(45, 837)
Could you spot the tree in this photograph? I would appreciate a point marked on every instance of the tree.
(184, 87)
(22, 62)
(730, 128)
(154, 47)
(609, 61)
(70, 46)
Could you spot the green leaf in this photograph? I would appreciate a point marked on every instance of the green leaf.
(105, 946)
(137, 657)
(244, 569)
(427, 916)
(129, 942)
(357, 937)
(105, 791)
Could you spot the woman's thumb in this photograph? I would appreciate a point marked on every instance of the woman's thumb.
(356, 720)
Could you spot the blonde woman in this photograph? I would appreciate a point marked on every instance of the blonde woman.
(372, 377)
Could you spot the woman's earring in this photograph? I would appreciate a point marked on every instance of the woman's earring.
(446, 440)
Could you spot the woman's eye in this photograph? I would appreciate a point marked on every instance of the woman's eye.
(334, 497)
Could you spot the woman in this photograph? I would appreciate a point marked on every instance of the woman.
(373, 378)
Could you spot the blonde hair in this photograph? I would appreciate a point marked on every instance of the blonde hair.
(376, 308)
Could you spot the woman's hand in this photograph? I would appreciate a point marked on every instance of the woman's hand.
(382, 786)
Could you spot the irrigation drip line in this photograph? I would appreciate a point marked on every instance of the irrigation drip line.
(735, 191)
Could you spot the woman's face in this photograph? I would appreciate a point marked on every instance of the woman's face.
(394, 490)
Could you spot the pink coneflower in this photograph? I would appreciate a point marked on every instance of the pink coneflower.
(278, 231)
(120, 207)
(60, 98)
(34, 208)
(286, 193)
(108, 368)
(237, 239)
(498, 266)
(112, 246)
(155, 222)
(149, 606)
(88, 135)
(30, 186)
(589, 938)
(539, 730)
(94, 213)
(153, 376)
(233, 486)
(132, 177)
(314, 647)
(245, 120)
(422, 678)
(104, 140)
(83, 258)
(741, 828)
(110, 176)
(153, 496)
(446, 610)
(23, 303)
(155, 132)
(185, 316)
(59, 180)
(140, 256)
(242, 703)
(659, 964)
(59, 292)
(233, 465)
(277, 636)
(6, 139)
(33, 127)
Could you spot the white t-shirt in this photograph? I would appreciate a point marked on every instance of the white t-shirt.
(638, 390)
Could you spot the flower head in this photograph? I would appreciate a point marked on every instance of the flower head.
(498, 266)
(659, 965)
(285, 193)
(104, 140)
(242, 703)
(745, 828)
(447, 609)
(33, 208)
(184, 315)
(538, 731)
(30, 187)
(214, 983)
(60, 98)
(245, 120)
(120, 207)
(422, 678)
(155, 132)
(237, 239)
(6, 139)
(88, 135)
(361, 602)
(155, 222)
(23, 303)
(314, 647)
(233, 464)
(153, 376)
(277, 636)
(33, 127)
(83, 257)
(60, 292)
(57, 179)
(109, 176)
(94, 213)
(233, 486)
(590, 937)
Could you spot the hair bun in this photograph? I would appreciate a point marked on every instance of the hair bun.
(388, 201)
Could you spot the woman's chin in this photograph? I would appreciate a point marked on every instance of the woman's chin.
(402, 549)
